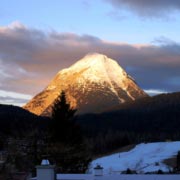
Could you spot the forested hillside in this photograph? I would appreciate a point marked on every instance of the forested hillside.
(146, 120)
(15, 121)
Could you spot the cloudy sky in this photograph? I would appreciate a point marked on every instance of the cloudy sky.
(40, 37)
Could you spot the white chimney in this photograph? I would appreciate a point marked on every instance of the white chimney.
(45, 171)
(98, 170)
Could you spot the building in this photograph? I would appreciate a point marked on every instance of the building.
(45, 171)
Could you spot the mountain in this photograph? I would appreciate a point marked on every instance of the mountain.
(92, 84)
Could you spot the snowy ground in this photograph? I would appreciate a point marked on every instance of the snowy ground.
(114, 177)
(143, 158)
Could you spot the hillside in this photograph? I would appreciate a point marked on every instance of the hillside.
(148, 114)
(143, 158)
(147, 120)
(16, 121)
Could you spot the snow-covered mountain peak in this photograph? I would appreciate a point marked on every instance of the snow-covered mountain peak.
(93, 84)
(97, 67)
(92, 60)
(89, 61)
(94, 55)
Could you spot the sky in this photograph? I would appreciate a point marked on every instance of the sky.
(38, 38)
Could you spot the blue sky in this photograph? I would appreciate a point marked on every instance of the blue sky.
(97, 18)
(143, 36)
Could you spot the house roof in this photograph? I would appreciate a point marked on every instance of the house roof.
(114, 177)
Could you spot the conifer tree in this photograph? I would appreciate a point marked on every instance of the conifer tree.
(62, 120)
(67, 148)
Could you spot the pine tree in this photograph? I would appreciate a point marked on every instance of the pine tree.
(62, 120)
(67, 148)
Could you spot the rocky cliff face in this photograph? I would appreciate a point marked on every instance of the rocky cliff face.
(93, 84)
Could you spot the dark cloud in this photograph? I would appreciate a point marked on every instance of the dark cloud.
(29, 58)
(146, 8)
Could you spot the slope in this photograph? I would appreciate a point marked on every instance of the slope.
(16, 121)
(143, 158)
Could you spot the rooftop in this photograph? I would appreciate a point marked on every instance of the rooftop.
(114, 177)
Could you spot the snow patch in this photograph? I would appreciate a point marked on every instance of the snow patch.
(143, 158)
(99, 68)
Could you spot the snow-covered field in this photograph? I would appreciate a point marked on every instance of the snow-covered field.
(116, 177)
(143, 158)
